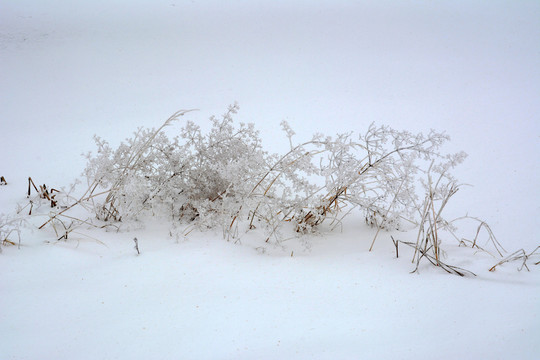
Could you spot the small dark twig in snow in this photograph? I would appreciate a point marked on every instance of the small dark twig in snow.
(396, 244)
(136, 247)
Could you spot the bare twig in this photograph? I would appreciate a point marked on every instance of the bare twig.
(396, 244)
(519, 255)
(136, 247)
(436, 262)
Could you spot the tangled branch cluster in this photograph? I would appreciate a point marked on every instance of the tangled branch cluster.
(225, 179)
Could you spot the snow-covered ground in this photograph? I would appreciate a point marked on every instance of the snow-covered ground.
(69, 70)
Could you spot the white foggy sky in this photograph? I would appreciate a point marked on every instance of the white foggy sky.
(71, 69)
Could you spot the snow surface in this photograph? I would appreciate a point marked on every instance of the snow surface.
(69, 70)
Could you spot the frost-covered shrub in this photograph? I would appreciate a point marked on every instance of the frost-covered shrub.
(187, 177)
(9, 227)
(224, 177)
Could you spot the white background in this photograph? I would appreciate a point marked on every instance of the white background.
(71, 69)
